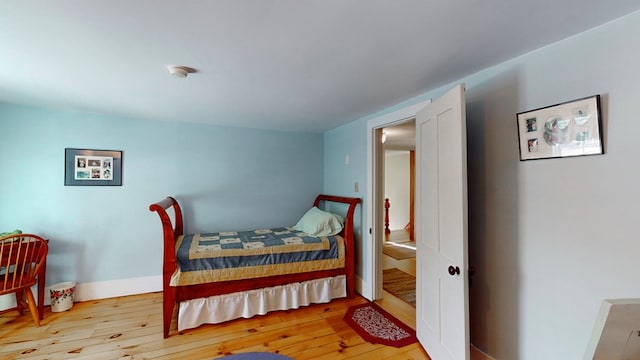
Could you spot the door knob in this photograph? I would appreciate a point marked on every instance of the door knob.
(454, 270)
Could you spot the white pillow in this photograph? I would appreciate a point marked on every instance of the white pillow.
(316, 222)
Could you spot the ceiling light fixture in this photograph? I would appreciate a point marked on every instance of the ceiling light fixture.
(178, 71)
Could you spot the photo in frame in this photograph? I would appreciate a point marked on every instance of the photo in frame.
(86, 167)
(572, 128)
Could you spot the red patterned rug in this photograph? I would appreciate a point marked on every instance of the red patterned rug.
(378, 326)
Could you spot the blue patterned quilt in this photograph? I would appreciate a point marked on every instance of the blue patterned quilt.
(222, 256)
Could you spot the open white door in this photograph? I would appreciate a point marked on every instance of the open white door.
(442, 289)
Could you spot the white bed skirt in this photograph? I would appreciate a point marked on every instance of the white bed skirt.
(245, 304)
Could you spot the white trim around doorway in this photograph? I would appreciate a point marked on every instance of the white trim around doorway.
(372, 281)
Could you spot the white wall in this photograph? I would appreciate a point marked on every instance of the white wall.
(396, 187)
(549, 239)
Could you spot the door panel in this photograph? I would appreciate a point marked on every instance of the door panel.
(441, 224)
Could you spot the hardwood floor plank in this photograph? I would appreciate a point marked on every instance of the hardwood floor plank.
(131, 328)
(296, 350)
(398, 308)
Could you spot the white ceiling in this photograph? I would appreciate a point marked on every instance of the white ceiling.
(277, 64)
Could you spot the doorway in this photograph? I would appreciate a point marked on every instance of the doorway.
(400, 120)
(398, 249)
(372, 277)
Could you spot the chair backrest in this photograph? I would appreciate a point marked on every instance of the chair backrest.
(22, 259)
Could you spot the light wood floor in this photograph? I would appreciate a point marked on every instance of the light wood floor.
(398, 308)
(406, 265)
(131, 328)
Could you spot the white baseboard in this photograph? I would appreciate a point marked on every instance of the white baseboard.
(115, 288)
(363, 288)
(99, 290)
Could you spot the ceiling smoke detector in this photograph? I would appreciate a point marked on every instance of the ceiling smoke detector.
(178, 71)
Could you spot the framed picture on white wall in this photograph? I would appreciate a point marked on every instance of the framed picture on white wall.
(572, 128)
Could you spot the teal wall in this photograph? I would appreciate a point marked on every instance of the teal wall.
(344, 150)
(225, 178)
(549, 239)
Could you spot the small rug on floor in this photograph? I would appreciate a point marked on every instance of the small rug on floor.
(378, 326)
(398, 251)
(256, 356)
(400, 284)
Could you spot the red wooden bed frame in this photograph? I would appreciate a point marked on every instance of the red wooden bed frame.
(173, 295)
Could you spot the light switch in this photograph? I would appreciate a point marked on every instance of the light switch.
(356, 187)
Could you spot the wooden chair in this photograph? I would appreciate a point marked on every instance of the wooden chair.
(23, 264)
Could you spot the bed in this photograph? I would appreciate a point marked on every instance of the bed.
(208, 290)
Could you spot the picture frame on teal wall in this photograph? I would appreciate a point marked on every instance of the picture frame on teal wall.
(572, 128)
(87, 167)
